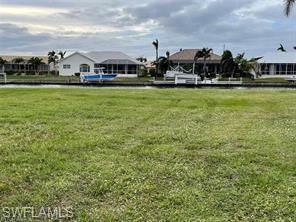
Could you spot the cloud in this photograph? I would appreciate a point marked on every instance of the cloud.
(252, 26)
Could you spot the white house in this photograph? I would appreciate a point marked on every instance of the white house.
(112, 62)
(282, 66)
(281, 70)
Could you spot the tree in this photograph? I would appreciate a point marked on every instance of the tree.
(18, 61)
(288, 6)
(228, 64)
(36, 62)
(163, 63)
(2, 64)
(53, 58)
(156, 46)
(246, 65)
(239, 64)
(205, 53)
(142, 59)
(62, 54)
(242, 64)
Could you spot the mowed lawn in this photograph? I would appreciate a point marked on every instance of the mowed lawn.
(150, 155)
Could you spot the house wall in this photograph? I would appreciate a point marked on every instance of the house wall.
(128, 70)
(278, 69)
(74, 61)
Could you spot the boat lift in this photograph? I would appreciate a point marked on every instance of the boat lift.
(196, 80)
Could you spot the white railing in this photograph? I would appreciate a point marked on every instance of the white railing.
(4, 76)
(195, 79)
(186, 79)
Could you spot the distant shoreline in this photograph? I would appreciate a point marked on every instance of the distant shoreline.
(146, 84)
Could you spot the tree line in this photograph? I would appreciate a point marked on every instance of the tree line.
(36, 62)
(230, 66)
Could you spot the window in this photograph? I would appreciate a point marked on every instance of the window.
(132, 69)
(265, 69)
(84, 68)
(121, 69)
(66, 66)
(290, 69)
(278, 69)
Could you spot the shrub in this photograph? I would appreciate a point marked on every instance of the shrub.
(30, 73)
(43, 73)
(211, 75)
(247, 75)
(143, 72)
(9, 72)
(152, 71)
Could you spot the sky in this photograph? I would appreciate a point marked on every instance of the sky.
(255, 27)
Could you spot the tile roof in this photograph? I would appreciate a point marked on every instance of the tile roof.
(187, 55)
(10, 58)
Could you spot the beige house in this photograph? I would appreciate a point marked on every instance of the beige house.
(24, 66)
(185, 59)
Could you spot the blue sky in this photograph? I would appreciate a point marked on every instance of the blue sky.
(255, 27)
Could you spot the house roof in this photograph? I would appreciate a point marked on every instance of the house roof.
(107, 57)
(10, 58)
(77, 53)
(111, 57)
(187, 56)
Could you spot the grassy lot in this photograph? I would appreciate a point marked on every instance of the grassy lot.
(150, 155)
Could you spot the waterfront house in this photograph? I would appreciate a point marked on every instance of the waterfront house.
(278, 69)
(25, 66)
(185, 59)
(112, 62)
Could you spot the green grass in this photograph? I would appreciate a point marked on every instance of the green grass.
(150, 155)
(41, 77)
(268, 80)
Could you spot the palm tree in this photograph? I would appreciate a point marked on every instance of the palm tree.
(245, 65)
(141, 59)
(168, 54)
(205, 53)
(18, 61)
(289, 5)
(62, 54)
(239, 64)
(36, 62)
(2, 64)
(163, 63)
(53, 58)
(156, 46)
(255, 66)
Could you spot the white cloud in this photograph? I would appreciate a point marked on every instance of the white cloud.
(253, 26)
(8, 10)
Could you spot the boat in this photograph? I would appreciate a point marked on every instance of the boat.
(98, 76)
